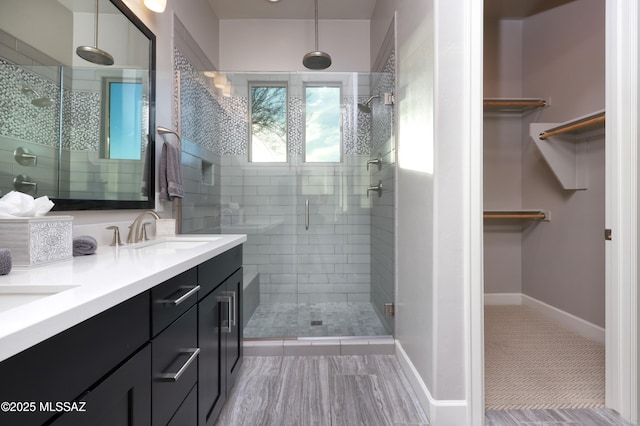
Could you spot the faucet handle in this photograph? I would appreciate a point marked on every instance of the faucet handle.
(116, 236)
(144, 231)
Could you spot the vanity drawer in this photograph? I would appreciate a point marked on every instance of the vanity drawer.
(214, 271)
(174, 366)
(172, 298)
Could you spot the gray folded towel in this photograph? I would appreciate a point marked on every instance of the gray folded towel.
(84, 245)
(170, 173)
(5, 261)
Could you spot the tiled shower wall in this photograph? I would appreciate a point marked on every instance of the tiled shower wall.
(330, 261)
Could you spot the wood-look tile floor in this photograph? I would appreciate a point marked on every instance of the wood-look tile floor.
(353, 390)
(569, 417)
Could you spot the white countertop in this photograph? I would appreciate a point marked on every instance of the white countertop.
(92, 284)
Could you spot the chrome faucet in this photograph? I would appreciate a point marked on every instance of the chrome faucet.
(136, 228)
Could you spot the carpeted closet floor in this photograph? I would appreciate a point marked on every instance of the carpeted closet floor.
(533, 363)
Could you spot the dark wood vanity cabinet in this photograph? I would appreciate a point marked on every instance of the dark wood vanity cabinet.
(219, 332)
(168, 356)
(91, 362)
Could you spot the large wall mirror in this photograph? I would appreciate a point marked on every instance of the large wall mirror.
(77, 131)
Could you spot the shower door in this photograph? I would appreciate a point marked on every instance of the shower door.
(304, 207)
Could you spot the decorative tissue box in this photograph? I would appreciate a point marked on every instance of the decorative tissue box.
(37, 240)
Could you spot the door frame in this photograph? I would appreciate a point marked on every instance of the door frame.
(621, 209)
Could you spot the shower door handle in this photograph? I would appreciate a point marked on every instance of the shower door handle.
(306, 215)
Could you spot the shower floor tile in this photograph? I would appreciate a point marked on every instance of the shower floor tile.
(291, 320)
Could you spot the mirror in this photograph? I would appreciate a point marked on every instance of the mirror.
(73, 130)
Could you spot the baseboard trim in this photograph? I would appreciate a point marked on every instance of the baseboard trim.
(503, 299)
(567, 320)
(440, 412)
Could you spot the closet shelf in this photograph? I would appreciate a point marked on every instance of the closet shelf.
(576, 126)
(513, 104)
(526, 214)
(559, 144)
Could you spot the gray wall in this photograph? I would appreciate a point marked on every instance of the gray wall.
(564, 262)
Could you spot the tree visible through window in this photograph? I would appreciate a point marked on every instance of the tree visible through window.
(323, 134)
(268, 123)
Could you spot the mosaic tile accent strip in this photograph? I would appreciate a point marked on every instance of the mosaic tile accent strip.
(199, 108)
(384, 117)
(20, 119)
(81, 111)
(81, 115)
(295, 132)
(234, 127)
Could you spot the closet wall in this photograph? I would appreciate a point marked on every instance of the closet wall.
(561, 59)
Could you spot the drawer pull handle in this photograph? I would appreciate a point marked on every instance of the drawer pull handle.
(179, 300)
(232, 308)
(173, 377)
(226, 325)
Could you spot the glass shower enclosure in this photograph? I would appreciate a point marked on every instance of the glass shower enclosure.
(314, 193)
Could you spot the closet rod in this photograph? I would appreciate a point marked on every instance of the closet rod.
(571, 126)
(540, 216)
(515, 103)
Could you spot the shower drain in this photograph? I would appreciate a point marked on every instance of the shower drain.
(316, 322)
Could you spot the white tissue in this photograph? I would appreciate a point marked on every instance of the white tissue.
(18, 204)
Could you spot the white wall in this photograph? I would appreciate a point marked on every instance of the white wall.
(430, 320)
(48, 28)
(280, 44)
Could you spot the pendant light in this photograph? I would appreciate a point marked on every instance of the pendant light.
(92, 53)
(316, 60)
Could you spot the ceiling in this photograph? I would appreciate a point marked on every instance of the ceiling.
(357, 9)
(519, 9)
(293, 9)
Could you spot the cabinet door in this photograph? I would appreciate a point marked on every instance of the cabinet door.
(122, 399)
(233, 338)
(211, 384)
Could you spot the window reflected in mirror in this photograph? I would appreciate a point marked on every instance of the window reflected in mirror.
(123, 128)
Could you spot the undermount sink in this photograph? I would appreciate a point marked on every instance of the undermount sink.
(173, 243)
(12, 296)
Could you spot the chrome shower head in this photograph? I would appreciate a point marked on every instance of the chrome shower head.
(364, 106)
(92, 53)
(39, 101)
(316, 60)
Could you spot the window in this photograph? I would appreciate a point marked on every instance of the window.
(268, 134)
(123, 119)
(323, 130)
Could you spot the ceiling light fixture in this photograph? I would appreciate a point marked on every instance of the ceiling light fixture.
(157, 6)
